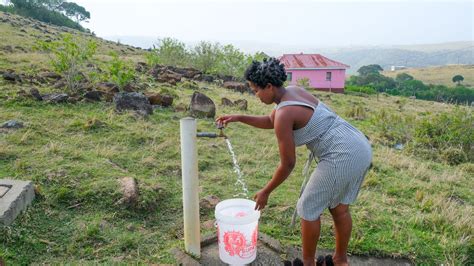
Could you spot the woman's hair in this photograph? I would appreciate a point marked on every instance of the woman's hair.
(268, 71)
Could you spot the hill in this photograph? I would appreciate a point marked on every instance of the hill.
(442, 75)
(416, 202)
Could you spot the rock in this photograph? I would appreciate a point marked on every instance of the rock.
(169, 77)
(159, 99)
(209, 224)
(56, 98)
(202, 106)
(12, 124)
(226, 102)
(94, 95)
(237, 86)
(50, 75)
(209, 202)
(129, 188)
(241, 104)
(10, 76)
(35, 94)
(207, 78)
(59, 84)
(133, 101)
(107, 87)
(129, 87)
(141, 67)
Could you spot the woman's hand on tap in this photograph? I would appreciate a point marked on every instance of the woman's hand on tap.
(225, 119)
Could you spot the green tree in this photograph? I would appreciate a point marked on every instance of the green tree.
(57, 12)
(168, 51)
(206, 56)
(75, 11)
(370, 69)
(458, 79)
(403, 77)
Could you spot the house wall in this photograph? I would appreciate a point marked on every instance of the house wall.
(317, 78)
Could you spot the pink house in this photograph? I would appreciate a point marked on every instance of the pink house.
(323, 73)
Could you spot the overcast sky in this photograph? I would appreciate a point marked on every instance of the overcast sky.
(316, 23)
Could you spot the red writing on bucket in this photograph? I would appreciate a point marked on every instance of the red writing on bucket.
(236, 244)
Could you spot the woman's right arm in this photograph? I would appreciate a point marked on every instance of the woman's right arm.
(259, 121)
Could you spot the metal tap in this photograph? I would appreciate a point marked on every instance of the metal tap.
(219, 126)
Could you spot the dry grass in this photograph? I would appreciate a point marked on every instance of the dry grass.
(442, 75)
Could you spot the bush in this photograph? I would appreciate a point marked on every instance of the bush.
(450, 135)
(303, 82)
(357, 112)
(119, 71)
(360, 89)
(69, 56)
(393, 128)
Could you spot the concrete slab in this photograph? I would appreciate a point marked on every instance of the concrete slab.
(15, 196)
(271, 252)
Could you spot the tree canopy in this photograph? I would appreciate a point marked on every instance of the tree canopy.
(458, 79)
(369, 69)
(57, 12)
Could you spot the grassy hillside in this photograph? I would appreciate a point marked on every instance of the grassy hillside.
(439, 75)
(415, 203)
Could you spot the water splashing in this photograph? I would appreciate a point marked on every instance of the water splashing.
(240, 178)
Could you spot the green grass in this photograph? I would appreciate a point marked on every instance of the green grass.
(75, 154)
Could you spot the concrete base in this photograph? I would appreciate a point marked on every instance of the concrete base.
(271, 252)
(15, 196)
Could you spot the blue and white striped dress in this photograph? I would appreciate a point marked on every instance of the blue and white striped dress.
(344, 155)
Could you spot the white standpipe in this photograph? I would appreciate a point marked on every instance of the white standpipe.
(189, 169)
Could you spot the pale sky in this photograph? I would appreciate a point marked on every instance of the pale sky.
(298, 22)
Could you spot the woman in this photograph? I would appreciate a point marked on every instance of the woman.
(344, 154)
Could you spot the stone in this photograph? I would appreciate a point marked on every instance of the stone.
(35, 94)
(12, 124)
(50, 75)
(129, 188)
(209, 202)
(107, 87)
(15, 197)
(133, 101)
(237, 86)
(241, 104)
(10, 76)
(159, 99)
(226, 102)
(56, 98)
(202, 106)
(94, 95)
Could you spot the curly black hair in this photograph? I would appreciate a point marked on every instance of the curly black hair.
(269, 71)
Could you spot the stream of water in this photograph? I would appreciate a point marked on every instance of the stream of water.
(240, 178)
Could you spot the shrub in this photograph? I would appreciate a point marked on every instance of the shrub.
(392, 127)
(360, 89)
(303, 82)
(119, 71)
(69, 56)
(357, 112)
(451, 135)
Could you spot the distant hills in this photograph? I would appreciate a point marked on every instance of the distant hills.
(411, 56)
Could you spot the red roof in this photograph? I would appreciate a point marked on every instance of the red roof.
(309, 61)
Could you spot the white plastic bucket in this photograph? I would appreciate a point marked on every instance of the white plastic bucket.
(237, 231)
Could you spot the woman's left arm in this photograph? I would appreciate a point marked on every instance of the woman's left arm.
(284, 131)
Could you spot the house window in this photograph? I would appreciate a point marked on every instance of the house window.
(328, 76)
(289, 76)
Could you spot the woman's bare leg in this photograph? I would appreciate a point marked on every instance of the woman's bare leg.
(310, 231)
(343, 227)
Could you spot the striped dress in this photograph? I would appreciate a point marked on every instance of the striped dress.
(344, 155)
